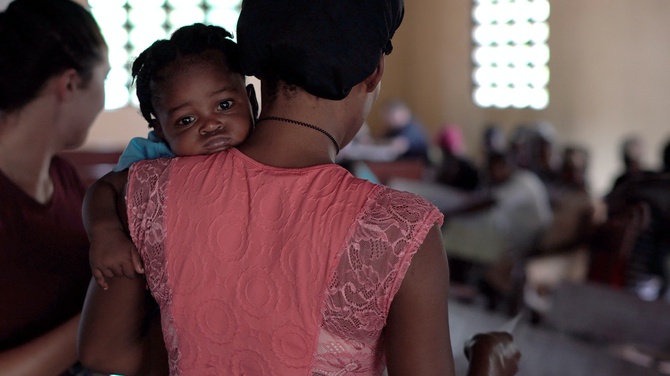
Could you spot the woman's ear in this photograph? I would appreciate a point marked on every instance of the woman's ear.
(253, 100)
(67, 84)
(375, 78)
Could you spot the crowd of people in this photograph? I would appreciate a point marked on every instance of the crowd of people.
(524, 219)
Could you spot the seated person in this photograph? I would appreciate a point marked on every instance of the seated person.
(455, 169)
(562, 252)
(402, 126)
(500, 226)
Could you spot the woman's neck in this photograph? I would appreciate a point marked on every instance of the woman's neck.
(281, 144)
(287, 136)
(26, 153)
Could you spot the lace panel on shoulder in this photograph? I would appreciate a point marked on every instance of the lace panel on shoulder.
(147, 186)
(379, 250)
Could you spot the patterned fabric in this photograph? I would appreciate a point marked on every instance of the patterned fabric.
(264, 270)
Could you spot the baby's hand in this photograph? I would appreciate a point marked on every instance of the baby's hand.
(113, 255)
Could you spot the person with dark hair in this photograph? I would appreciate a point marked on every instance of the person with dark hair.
(191, 92)
(403, 127)
(455, 169)
(498, 228)
(270, 258)
(52, 69)
(562, 251)
(644, 269)
(631, 150)
(493, 140)
(639, 199)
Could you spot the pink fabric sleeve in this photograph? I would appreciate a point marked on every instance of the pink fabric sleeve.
(145, 204)
(382, 241)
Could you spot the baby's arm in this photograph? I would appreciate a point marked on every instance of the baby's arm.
(112, 252)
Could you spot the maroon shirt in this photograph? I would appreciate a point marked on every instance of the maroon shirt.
(44, 269)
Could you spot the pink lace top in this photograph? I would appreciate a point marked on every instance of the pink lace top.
(261, 270)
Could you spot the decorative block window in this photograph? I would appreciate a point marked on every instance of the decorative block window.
(130, 26)
(510, 53)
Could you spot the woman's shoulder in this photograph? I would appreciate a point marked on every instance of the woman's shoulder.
(390, 209)
(172, 165)
(398, 200)
(144, 169)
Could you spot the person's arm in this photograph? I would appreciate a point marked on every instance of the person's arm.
(112, 253)
(475, 202)
(119, 332)
(47, 355)
(492, 354)
(417, 329)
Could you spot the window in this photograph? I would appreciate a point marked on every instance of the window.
(510, 53)
(130, 26)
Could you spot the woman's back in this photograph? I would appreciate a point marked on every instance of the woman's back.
(299, 277)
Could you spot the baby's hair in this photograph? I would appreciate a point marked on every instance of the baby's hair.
(150, 68)
(40, 39)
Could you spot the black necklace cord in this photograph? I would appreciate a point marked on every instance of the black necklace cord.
(276, 118)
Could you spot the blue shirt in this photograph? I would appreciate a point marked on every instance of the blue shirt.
(140, 148)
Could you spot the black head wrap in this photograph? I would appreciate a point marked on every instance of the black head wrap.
(323, 46)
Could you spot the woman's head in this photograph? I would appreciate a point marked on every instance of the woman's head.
(191, 90)
(397, 114)
(574, 166)
(499, 167)
(40, 39)
(450, 140)
(631, 153)
(323, 47)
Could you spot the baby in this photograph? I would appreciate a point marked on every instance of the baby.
(192, 93)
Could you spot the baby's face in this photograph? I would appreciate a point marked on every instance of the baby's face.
(204, 109)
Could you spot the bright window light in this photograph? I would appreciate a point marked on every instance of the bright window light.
(510, 53)
(130, 26)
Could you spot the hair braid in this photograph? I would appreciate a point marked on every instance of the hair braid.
(150, 69)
